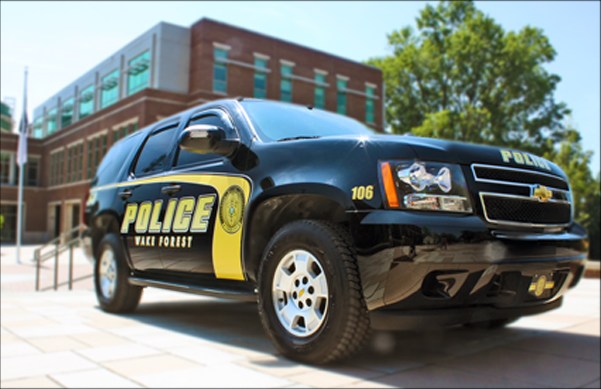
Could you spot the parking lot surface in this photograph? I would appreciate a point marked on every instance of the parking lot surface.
(62, 339)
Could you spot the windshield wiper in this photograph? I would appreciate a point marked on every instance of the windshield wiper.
(298, 137)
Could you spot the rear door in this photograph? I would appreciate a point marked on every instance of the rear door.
(141, 225)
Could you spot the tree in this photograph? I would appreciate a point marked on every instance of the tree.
(574, 161)
(461, 76)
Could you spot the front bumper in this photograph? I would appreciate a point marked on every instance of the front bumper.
(425, 265)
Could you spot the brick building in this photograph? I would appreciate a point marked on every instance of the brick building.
(167, 69)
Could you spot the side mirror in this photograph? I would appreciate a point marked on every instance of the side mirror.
(206, 139)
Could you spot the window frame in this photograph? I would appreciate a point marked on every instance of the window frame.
(103, 92)
(138, 88)
(171, 124)
(218, 63)
(92, 89)
(224, 117)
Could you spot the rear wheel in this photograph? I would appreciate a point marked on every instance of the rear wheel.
(114, 292)
(310, 298)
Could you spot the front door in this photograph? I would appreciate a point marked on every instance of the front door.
(217, 194)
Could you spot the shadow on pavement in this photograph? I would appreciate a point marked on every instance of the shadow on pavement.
(458, 356)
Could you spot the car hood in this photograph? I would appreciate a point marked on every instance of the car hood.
(463, 153)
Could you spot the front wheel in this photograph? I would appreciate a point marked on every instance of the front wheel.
(114, 292)
(310, 298)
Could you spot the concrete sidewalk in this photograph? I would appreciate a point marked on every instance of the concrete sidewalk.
(62, 339)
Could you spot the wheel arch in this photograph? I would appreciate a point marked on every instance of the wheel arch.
(272, 209)
(105, 222)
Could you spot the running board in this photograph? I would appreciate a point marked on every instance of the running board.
(242, 294)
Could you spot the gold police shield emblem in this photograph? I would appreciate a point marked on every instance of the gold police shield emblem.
(231, 209)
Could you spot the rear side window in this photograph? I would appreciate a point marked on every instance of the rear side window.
(155, 153)
(116, 158)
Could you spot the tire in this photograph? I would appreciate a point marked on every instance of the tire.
(118, 296)
(326, 289)
(491, 324)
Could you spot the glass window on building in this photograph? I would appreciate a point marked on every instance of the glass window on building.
(369, 104)
(7, 174)
(138, 73)
(56, 167)
(74, 162)
(260, 81)
(96, 151)
(341, 95)
(38, 128)
(219, 70)
(77, 164)
(124, 131)
(32, 171)
(320, 91)
(86, 102)
(51, 122)
(67, 113)
(286, 82)
(110, 89)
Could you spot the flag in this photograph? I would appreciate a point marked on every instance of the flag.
(22, 150)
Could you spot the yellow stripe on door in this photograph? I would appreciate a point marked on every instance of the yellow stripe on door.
(227, 241)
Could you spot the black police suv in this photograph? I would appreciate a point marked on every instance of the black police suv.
(331, 228)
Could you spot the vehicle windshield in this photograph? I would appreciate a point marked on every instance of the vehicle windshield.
(282, 121)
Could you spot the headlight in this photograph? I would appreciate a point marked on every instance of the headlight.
(431, 186)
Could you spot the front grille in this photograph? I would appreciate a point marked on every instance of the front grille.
(519, 176)
(504, 205)
(520, 210)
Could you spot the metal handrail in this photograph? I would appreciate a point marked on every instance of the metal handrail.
(59, 245)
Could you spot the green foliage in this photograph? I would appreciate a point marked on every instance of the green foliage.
(461, 76)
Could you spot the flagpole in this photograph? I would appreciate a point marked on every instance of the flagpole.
(21, 164)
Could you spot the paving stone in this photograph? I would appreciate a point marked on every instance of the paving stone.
(97, 338)
(18, 348)
(224, 376)
(116, 352)
(204, 355)
(592, 328)
(32, 382)
(57, 343)
(277, 366)
(36, 365)
(562, 344)
(534, 368)
(331, 377)
(439, 377)
(95, 378)
(140, 366)
(594, 384)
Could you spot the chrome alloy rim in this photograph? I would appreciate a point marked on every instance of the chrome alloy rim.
(300, 293)
(108, 274)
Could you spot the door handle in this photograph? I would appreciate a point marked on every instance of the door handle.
(171, 189)
(125, 194)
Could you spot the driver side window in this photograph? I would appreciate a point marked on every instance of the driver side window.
(187, 158)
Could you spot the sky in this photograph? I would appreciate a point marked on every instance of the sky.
(60, 41)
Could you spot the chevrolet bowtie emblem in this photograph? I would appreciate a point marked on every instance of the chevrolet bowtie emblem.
(542, 193)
